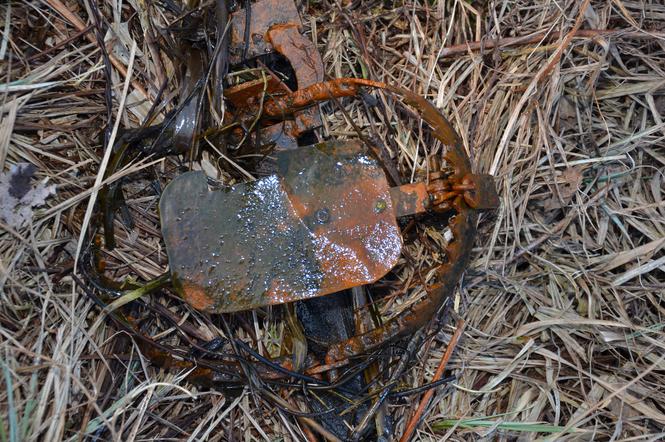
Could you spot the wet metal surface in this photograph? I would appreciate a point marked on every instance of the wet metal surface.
(322, 224)
(187, 121)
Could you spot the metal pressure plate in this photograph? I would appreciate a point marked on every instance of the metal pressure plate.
(323, 223)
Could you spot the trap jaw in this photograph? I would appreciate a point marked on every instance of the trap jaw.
(325, 222)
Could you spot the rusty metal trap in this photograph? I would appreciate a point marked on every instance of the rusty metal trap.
(324, 219)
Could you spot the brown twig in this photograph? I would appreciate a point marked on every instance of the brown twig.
(60, 44)
(80, 26)
(544, 36)
(565, 43)
(413, 422)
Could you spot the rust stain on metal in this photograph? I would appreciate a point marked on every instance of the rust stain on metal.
(265, 13)
(197, 297)
(275, 26)
(249, 92)
(287, 40)
(479, 191)
(410, 199)
(335, 188)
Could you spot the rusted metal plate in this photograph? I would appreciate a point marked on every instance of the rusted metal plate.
(481, 192)
(342, 195)
(322, 224)
(243, 94)
(287, 40)
(299, 50)
(275, 27)
(410, 199)
(264, 14)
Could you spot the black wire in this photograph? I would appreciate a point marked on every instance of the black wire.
(120, 322)
(248, 23)
(424, 387)
(152, 111)
(315, 384)
(108, 96)
(278, 367)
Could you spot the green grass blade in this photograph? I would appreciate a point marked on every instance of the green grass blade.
(11, 409)
(532, 427)
(30, 405)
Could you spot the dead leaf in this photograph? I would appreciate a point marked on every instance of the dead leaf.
(567, 184)
(18, 197)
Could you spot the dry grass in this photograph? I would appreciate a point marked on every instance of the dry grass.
(565, 296)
